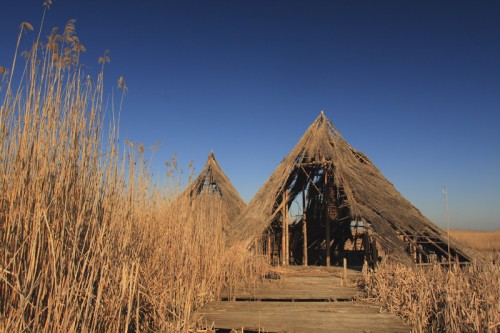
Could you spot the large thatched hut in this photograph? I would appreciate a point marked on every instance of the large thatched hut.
(326, 201)
(213, 191)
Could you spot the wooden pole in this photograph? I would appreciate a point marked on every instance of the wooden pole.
(414, 249)
(374, 251)
(283, 241)
(327, 220)
(304, 227)
(284, 233)
(327, 241)
(287, 234)
(269, 252)
(366, 245)
(345, 269)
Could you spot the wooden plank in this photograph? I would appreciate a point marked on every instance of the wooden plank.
(301, 286)
(319, 288)
(301, 317)
(304, 228)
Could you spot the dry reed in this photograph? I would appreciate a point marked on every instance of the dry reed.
(87, 241)
(439, 299)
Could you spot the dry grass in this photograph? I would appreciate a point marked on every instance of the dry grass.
(87, 242)
(486, 242)
(437, 299)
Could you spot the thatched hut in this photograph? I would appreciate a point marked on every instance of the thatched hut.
(212, 190)
(326, 201)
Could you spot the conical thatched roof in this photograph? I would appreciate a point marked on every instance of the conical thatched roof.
(361, 193)
(213, 188)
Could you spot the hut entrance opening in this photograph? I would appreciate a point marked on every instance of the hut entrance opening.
(312, 222)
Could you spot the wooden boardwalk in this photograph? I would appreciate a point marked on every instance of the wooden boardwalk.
(301, 300)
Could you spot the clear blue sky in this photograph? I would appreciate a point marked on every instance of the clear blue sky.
(415, 85)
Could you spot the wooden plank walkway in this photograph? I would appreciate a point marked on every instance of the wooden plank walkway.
(301, 300)
(296, 287)
(301, 317)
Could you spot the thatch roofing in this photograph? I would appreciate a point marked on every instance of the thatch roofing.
(213, 188)
(370, 196)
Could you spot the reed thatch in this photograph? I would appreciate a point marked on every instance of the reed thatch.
(211, 190)
(339, 192)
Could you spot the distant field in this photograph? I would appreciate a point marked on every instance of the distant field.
(486, 242)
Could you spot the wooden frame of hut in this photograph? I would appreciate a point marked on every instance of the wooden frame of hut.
(326, 201)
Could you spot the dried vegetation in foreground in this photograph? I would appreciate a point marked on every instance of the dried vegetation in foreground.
(440, 299)
(87, 241)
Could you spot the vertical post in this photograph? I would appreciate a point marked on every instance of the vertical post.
(304, 227)
(327, 220)
(414, 249)
(287, 235)
(345, 269)
(283, 241)
(284, 232)
(366, 245)
(269, 252)
(374, 252)
(365, 268)
(327, 240)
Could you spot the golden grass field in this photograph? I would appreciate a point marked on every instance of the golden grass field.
(486, 242)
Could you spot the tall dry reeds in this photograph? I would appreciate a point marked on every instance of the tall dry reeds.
(87, 241)
(439, 299)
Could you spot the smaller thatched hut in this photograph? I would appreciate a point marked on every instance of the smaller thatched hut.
(212, 190)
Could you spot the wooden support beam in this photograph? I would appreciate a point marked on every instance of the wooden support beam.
(374, 251)
(284, 230)
(327, 239)
(287, 234)
(414, 250)
(445, 252)
(280, 207)
(366, 245)
(315, 164)
(304, 227)
(269, 250)
(327, 220)
(283, 241)
(344, 261)
(311, 180)
(415, 238)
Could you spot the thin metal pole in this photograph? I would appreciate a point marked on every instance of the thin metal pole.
(445, 193)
